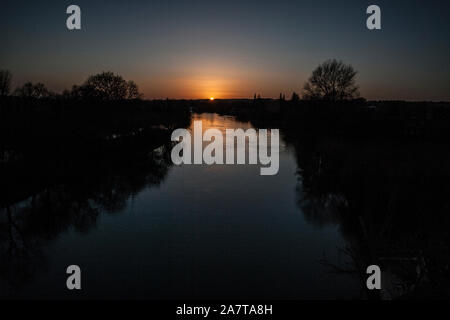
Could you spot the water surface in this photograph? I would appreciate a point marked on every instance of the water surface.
(192, 231)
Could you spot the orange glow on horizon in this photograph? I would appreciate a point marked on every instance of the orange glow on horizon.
(196, 86)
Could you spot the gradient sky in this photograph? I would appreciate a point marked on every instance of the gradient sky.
(230, 49)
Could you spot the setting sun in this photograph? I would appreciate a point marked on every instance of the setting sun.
(212, 98)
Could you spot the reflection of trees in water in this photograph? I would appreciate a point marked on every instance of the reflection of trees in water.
(105, 187)
(391, 203)
(72, 158)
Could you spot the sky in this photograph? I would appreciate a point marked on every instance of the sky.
(230, 49)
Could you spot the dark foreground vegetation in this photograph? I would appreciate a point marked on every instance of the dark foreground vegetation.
(354, 119)
(45, 141)
(47, 138)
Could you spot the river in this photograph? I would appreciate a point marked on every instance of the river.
(197, 231)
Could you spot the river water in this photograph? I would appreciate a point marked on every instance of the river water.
(197, 231)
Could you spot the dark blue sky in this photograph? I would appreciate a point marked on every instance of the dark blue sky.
(197, 49)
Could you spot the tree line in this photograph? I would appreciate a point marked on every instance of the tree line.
(333, 80)
(105, 86)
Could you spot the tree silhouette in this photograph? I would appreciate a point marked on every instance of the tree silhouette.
(5, 82)
(295, 96)
(30, 90)
(107, 86)
(81, 92)
(133, 90)
(332, 80)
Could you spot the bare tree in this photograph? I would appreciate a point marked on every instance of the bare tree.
(40, 91)
(133, 90)
(81, 92)
(5, 82)
(30, 90)
(109, 86)
(332, 80)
